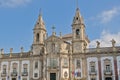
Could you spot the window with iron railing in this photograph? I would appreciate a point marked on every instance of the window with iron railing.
(25, 70)
(92, 68)
(14, 70)
(53, 63)
(4, 70)
(107, 68)
(78, 63)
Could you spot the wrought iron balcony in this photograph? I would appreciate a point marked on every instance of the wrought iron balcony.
(13, 73)
(3, 74)
(24, 73)
(108, 72)
(92, 72)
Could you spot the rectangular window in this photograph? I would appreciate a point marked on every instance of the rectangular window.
(107, 68)
(35, 74)
(4, 71)
(92, 68)
(36, 64)
(53, 62)
(14, 70)
(25, 70)
(78, 63)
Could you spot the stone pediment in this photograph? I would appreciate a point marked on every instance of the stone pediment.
(54, 38)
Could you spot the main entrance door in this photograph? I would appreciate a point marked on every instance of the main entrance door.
(13, 78)
(52, 76)
(108, 78)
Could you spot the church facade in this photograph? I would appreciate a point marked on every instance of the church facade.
(66, 57)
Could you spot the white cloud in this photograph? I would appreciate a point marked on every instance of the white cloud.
(13, 3)
(105, 39)
(108, 15)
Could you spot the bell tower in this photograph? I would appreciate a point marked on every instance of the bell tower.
(39, 36)
(79, 39)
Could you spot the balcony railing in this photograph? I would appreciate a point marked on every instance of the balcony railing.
(24, 73)
(3, 74)
(52, 67)
(108, 72)
(92, 72)
(13, 73)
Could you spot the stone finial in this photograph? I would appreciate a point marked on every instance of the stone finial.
(60, 34)
(53, 30)
(22, 49)
(113, 42)
(98, 44)
(11, 51)
(2, 51)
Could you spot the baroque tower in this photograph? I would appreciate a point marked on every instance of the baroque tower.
(39, 36)
(79, 39)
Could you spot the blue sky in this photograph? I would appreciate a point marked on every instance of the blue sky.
(18, 17)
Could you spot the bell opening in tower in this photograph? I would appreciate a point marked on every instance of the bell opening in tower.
(37, 37)
(77, 33)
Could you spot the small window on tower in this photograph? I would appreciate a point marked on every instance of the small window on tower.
(77, 18)
(77, 31)
(37, 37)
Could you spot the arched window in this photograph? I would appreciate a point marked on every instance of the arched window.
(37, 37)
(77, 31)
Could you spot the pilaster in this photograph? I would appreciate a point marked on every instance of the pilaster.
(31, 68)
(70, 66)
(99, 68)
(20, 70)
(44, 67)
(84, 67)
